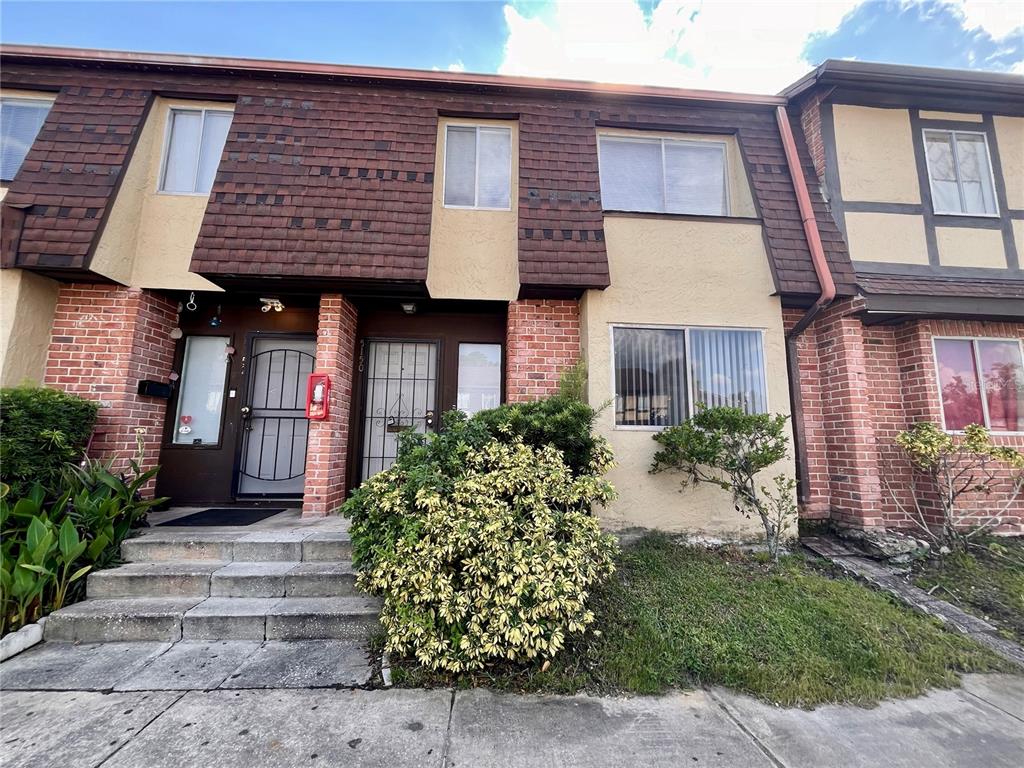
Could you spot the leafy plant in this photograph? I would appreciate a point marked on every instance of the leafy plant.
(953, 467)
(728, 448)
(483, 549)
(41, 430)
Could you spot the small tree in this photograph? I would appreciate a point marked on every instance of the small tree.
(728, 448)
(951, 467)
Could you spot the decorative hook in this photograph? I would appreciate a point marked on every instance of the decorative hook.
(191, 306)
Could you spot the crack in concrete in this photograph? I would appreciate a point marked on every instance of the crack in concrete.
(135, 735)
(448, 731)
(765, 750)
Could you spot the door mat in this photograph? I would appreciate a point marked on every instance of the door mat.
(226, 516)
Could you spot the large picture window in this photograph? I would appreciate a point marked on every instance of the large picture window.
(663, 374)
(663, 176)
(194, 146)
(981, 381)
(960, 173)
(20, 121)
(478, 167)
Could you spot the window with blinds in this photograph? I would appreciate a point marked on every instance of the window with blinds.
(194, 147)
(663, 374)
(960, 173)
(478, 167)
(20, 121)
(663, 176)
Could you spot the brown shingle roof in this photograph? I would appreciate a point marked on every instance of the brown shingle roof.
(901, 285)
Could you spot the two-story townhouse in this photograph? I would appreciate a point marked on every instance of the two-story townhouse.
(923, 172)
(187, 239)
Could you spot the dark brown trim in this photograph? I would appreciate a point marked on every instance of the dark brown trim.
(925, 187)
(458, 114)
(833, 184)
(945, 306)
(952, 221)
(867, 206)
(977, 126)
(625, 125)
(999, 180)
(929, 102)
(933, 270)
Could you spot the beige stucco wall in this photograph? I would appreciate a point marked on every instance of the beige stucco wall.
(1010, 138)
(1018, 236)
(962, 116)
(875, 154)
(969, 247)
(474, 254)
(889, 237)
(671, 272)
(149, 236)
(27, 304)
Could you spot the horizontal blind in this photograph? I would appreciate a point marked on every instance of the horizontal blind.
(631, 175)
(695, 178)
(650, 376)
(460, 166)
(495, 157)
(183, 151)
(728, 369)
(20, 122)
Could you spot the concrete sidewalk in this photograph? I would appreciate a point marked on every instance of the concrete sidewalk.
(981, 724)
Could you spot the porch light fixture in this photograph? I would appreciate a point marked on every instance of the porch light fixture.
(272, 304)
(408, 307)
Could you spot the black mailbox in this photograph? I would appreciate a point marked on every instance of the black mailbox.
(154, 388)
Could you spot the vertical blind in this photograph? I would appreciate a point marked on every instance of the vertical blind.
(961, 177)
(478, 167)
(20, 121)
(652, 366)
(663, 176)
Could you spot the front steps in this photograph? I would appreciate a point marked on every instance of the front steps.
(262, 585)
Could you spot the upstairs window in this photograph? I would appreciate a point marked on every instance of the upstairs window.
(662, 374)
(981, 381)
(194, 145)
(478, 167)
(960, 173)
(20, 121)
(663, 176)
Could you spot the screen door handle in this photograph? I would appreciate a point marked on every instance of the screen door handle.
(430, 418)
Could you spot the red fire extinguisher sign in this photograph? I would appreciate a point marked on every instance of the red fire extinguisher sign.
(318, 396)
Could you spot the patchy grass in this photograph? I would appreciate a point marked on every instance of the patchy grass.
(676, 616)
(987, 581)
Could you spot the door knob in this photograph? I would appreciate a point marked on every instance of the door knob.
(430, 418)
(246, 410)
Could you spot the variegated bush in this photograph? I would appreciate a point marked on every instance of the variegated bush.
(482, 548)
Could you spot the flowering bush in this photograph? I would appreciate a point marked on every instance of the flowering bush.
(483, 549)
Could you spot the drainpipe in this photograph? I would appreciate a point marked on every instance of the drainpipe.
(826, 297)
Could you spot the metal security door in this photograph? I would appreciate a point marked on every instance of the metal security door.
(400, 395)
(273, 450)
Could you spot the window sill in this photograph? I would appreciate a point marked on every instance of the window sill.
(954, 215)
(682, 216)
(165, 193)
(475, 208)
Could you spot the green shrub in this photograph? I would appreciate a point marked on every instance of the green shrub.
(482, 549)
(47, 548)
(40, 431)
(728, 448)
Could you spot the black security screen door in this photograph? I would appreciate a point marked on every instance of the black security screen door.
(273, 449)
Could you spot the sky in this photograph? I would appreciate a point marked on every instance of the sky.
(755, 46)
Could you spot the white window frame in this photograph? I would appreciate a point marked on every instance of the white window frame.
(689, 405)
(724, 145)
(977, 372)
(476, 166)
(27, 100)
(953, 132)
(165, 153)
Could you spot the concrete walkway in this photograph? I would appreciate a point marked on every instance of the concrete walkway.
(151, 705)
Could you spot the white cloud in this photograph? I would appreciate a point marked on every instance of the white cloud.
(457, 66)
(738, 45)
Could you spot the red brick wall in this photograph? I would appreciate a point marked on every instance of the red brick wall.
(859, 387)
(106, 339)
(542, 339)
(327, 453)
(810, 122)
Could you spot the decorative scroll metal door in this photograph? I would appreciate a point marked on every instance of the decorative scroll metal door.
(273, 460)
(400, 394)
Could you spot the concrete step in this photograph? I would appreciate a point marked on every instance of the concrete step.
(224, 579)
(214, 618)
(257, 546)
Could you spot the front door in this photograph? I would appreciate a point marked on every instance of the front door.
(272, 454)
(401, 395)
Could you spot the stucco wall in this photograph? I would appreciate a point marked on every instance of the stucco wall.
(474, 254)
(875, 153)
(969, 247)
(1018, 235)
(673, 272)
(1010, 137)
(149, 237)
(27, 303)
(888, 237)
(967, 117)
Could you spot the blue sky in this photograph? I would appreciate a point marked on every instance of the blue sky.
(746, 46)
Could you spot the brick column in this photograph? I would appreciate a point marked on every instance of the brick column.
(542, 340)
(105, 339)
(327, 454)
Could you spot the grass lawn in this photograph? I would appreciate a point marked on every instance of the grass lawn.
(675, 616)
(987, 581)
